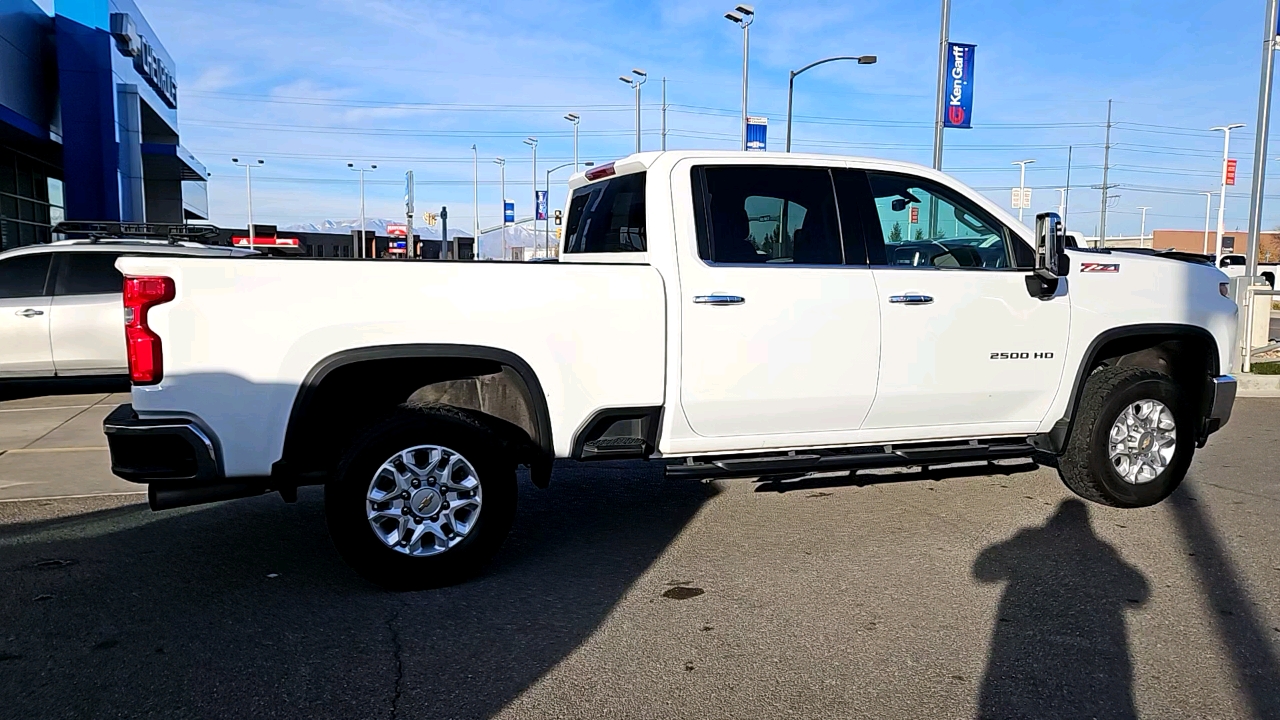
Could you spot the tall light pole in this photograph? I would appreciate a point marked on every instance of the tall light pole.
(1222, 199)
(1142, 229)
(1022, 183)
(641, 77)
(475, 202)
(546, 238)
(248, 187)
(791, 81)
(944, 35)
(663, 135)
(362, 171)
(1062, 202)
(532, 142)
(743, 16)
(573, 118)
(1208, 203)
(1269, 38)
(502, 212)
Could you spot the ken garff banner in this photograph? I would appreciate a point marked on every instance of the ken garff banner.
(958, 91)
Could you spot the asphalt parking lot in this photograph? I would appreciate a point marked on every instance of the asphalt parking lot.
(621, 594)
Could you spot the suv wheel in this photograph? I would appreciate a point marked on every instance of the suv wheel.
(1132, 439)
(422, 500)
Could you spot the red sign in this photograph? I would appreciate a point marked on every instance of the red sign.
(1231, 172)
(915, 214)
(397, 230)
(265, 242)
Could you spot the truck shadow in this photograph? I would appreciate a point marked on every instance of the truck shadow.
(23, 389)
(244, 609)
(1059, 647)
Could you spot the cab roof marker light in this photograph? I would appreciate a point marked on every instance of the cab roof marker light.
(603, 171)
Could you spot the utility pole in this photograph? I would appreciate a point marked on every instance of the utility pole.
(502, 212)
(351, 166)
(743, 16)
(1022, 184)
(475, 202)
(1142, 229)
(248, 186)
(1222, 200)
(1208, 204)
(664, 116)
(1106, 189)
(1269, 40)
(944, 34)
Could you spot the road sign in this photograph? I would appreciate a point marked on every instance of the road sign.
(540, 202)
(757, 134)
(1021, 199)
(509, 211)
(915, 213)
(957, 92)
(1231, 172)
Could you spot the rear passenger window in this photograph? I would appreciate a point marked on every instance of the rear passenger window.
(24, 276)
(768, 215)
(607, 217)
(90, 274)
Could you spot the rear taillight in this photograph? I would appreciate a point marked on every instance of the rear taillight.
(146, 363)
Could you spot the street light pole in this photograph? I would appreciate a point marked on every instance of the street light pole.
(475, 202)
(1222, 199)
(1022, 183)
(362, 171)
(1208, 203)
(1142, 229)
(944, 34)
(641, 77)
(533, 143)
(502, 212)
(1062, 202)
(248, 186)
(791, 81)
(573, 118)
(1260, 138)
(743, 16)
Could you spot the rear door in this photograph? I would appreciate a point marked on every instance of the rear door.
(964, 341)
(24, 316)
(87, 315)
(779, 327)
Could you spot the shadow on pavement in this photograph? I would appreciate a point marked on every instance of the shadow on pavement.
(23, 389)
(1059, 647)
(1243, 633)
(791, 483)
(243, 609)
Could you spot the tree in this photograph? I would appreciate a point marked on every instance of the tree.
(895, 234)
(919, 234)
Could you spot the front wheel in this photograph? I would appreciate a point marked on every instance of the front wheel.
(422, 500)
(1132, 439)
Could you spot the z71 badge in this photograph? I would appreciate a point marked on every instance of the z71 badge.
(1100, 267)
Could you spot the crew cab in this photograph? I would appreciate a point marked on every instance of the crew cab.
(730, 314)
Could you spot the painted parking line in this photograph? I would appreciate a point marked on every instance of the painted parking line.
(19, 451)
(52, 407)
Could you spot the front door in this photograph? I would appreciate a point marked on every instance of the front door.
(964, 341)
(779, 334)
(24, 316)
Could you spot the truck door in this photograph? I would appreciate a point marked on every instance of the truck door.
(779, 326)
(964, 341)
(87, 315)
(24, 316)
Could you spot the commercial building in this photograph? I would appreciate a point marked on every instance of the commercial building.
(88, 121)
(1197, 241)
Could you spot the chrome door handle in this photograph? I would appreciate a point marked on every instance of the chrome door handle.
(911, 299)
(719, 299)
(29, 312)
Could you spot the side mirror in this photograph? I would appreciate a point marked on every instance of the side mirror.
(1051, 245)
(898, 204)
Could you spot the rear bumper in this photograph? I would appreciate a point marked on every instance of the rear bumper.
(1222, 397)
(172, 449)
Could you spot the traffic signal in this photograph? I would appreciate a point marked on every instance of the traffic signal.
(557, 232)
(559, 214)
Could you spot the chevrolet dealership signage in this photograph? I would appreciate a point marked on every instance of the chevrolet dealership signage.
(146, 61)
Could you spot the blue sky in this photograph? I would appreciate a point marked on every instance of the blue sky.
(309, 85)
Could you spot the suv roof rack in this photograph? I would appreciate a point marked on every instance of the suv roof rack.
(99, 230)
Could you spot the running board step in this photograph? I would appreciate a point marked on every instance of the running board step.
(615, 447)
(736, 467)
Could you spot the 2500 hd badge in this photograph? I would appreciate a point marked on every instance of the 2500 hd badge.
(1022, 356)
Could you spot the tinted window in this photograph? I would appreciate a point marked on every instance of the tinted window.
(926, 224)
(90, 274)
(24, 276)
(768, 215)
(607, 216)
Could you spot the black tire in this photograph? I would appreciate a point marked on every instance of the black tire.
(1086, 467)
(345, 499)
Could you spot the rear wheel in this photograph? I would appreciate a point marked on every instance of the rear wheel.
(422, 500)
(1132, 439)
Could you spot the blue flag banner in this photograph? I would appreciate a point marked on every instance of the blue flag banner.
(757, 134)
(957, 92)
(540, 201)
(508, 211)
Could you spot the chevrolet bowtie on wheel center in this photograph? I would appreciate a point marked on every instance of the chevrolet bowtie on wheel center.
(731, 315)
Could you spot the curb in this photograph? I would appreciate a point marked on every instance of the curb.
(1250, 385)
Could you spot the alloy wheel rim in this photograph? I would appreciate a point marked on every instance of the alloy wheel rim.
(1142, 442)
(423, 500)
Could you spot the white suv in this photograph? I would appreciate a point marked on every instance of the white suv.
(61, 311)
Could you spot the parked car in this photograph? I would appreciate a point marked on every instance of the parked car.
(730, 314)
(1234, 265)
(61, 309)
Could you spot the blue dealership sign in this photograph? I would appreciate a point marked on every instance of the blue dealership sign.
(757, 134)
(508, 211)
(957, 93)
(540, 201)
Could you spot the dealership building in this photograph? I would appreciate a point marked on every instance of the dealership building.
(89, 121)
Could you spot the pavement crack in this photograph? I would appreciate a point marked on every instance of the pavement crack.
(395, 653)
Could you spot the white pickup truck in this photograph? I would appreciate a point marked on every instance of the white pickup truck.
(732, 314)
